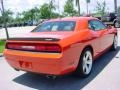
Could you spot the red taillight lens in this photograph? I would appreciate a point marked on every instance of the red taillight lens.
(53, 48)
(48, 48)
(14, 46)
(34, 47)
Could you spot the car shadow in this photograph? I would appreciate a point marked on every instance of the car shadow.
(68, 82)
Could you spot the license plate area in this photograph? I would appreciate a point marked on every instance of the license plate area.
(24, 64)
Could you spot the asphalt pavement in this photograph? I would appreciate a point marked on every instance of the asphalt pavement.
(105, 76)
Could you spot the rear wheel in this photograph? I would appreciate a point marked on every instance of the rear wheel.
(115, 43)
(85, 65)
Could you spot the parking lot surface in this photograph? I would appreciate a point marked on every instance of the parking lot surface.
(15, 31)
(105, 76)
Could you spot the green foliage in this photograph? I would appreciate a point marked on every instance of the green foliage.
(30, 15)
(69, 8)
(45, 11)
(18, 18)
(101, 8)
(2, 46)
(8, 17)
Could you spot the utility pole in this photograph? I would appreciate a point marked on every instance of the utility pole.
(115, 5)
(87, 5)
(78, 5)
(4, 18)
(58, 7)
(87, 9)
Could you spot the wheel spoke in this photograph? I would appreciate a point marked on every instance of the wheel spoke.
(86, 69)
(89, 62)
(84, 58)
(87, 55)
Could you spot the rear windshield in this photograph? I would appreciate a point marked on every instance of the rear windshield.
(55, 26)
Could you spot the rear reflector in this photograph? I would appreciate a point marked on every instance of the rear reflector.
(34, 47)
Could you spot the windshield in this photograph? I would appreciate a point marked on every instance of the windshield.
(55, 26)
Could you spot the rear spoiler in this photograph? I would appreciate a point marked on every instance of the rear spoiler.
(34, 39)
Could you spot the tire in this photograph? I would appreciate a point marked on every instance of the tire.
(115, 43)
(85, 64)
(116, 25)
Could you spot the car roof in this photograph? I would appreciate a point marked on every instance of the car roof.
(73, 19)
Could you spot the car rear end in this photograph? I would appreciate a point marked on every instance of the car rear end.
(35, 57)
(44, 57)
(46, 50)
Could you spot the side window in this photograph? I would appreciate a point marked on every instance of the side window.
(96, 25)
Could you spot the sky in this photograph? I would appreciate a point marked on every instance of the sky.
(21, 5)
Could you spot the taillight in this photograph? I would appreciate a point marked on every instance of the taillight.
(34, 47)
(48, 48)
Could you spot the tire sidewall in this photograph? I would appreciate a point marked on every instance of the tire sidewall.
(113, 46)
(79, 70)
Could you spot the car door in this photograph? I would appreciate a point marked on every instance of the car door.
(101, 32)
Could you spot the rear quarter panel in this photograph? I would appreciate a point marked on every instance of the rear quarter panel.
(75, 44)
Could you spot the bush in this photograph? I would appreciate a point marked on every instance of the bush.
(2, 45)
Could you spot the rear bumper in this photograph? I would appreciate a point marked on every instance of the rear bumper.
(44, 63)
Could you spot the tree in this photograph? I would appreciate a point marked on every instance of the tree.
(69, 8)
(115, 5)
(78, 5)
(30, 15)
(87, 1)
(51, 7)
(101, 8)
(18, 18)
(8, 16)
(4, 19)
(47, 11)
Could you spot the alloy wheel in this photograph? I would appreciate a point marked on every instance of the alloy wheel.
(87, 62)
(115, 42)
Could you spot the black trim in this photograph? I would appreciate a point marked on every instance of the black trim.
(34, 39)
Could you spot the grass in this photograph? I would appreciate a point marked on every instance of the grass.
(2, 45)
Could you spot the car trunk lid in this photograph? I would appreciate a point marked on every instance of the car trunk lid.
(38, 42)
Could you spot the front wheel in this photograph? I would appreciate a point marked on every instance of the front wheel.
(116, 25)
(86, 62)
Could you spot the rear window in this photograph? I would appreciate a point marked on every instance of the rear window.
(55, 26)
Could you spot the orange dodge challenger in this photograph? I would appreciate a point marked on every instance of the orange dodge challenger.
(61, 46)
